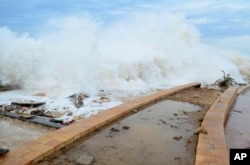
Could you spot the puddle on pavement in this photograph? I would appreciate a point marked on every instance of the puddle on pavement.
(237, 128)
(156, 135)
(14, 133)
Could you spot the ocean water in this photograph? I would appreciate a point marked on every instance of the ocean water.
(140, 52)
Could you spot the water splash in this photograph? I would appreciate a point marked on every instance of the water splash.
(142, 51)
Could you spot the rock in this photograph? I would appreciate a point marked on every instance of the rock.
(78, 100)
(38, 112)
(104, 99)
(125, 127)
(114, 130)
(85, 160)
(4, 108)
(177, 138)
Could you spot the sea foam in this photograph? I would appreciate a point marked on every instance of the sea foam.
(141, 51)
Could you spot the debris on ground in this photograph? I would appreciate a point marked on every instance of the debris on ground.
(78, 99)
(34, 111)
(177, 138)
(102, 99)
(65, 119)
(114, 129)
(27, 103)
(125, 127)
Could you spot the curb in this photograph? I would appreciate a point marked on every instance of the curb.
(243, 89)
(211, 147)
(44, 146)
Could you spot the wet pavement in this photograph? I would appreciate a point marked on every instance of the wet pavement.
(237, 130)
(156, 135)
(51, 143)
(14, 133)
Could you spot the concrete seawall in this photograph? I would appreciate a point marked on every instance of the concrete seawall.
(211, 147)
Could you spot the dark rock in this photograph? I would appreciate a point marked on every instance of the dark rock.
(125, 127)
(177, 138)
(114, 130)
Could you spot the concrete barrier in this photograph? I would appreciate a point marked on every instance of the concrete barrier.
(211, 147)
(243, 89)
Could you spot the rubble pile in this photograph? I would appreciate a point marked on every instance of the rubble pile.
(33, 111)
(43, 113)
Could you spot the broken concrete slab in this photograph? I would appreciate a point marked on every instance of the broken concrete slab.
(28, 103)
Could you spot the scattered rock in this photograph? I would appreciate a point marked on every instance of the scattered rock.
(173, 126)
(85, 160)
(38, 112)
(177, 138)
(4, 108)
(79, 101)
(200, 130)
(125, 127)
(114, 129)
(104, 99)
(175, 114)
(164, 122)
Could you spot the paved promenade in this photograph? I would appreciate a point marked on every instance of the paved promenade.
(237, 130)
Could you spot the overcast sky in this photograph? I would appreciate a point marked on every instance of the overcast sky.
(215, 19)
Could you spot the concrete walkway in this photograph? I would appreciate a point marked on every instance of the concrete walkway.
(237, 130)
(42, 147)
(212, 147)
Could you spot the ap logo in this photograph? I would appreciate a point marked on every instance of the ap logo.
(239, 156)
